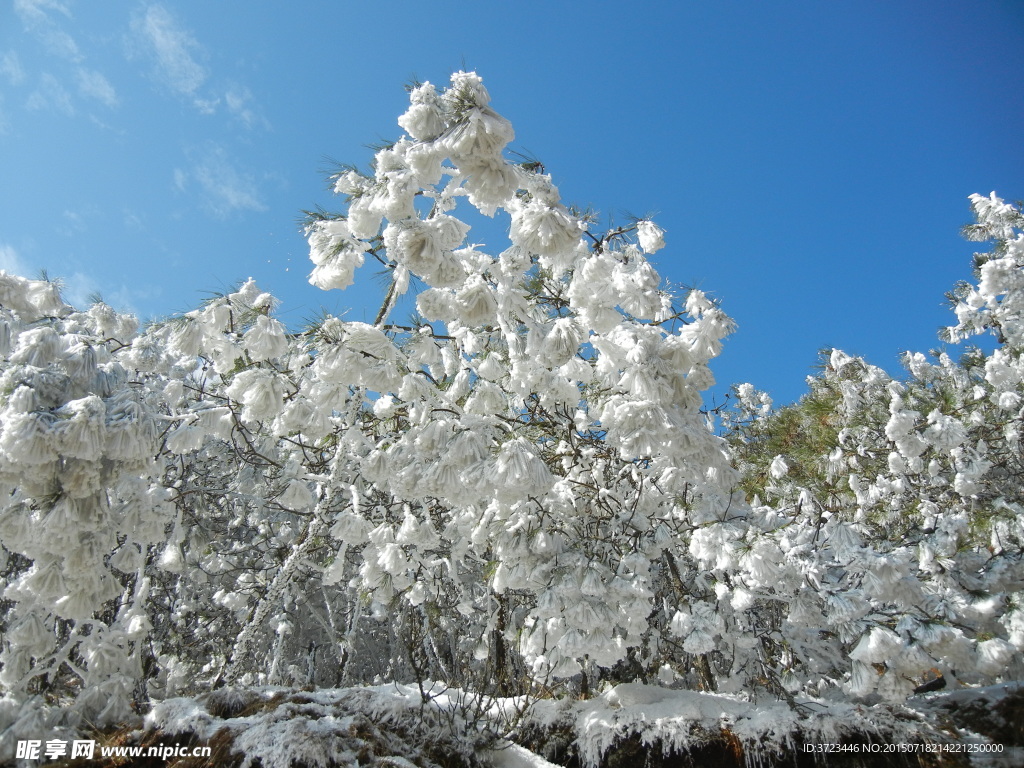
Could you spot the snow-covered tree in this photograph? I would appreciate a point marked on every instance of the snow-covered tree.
(537, 441)
(904, 499)
(515, 491)
(497, 491)
(83, 502)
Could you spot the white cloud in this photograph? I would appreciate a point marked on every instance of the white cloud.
(11, 262)
(79, 288)
(10, 67)
(94, 85)
(35, 11)
(60, 43)
(132, 220)
(34, 15)
(238, 99)
(224, 188)
(50, 95)
(42, 19)
(206, 106)
(128, 298)
(80, 291)
(177, 56)
(75, 221)
(171, 48)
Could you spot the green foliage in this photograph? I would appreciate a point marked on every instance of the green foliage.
(803, 433)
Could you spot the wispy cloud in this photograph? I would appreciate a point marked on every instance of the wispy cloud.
(177, 60)
(239, 101)
(171, 47)
(50, 94)
(93, 84)
(43, 20)
(11, 262)
(79, 288)
(206, 106)
(131, 298)
(132, 220)
(10, 68)
(60, 43)
(224, 187)
(37, 17)
(75, 221)
(36, 11)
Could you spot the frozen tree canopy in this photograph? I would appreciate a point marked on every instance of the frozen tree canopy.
(515, 493)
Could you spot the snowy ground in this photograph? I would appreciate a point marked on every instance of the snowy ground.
(390, 725)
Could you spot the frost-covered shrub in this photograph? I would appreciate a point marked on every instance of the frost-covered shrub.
(902, 499)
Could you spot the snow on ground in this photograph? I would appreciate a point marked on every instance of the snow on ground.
(681, 720)
(283, 727)
(390, 724)
(510, 755)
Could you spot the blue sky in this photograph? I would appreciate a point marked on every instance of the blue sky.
(810, 161)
